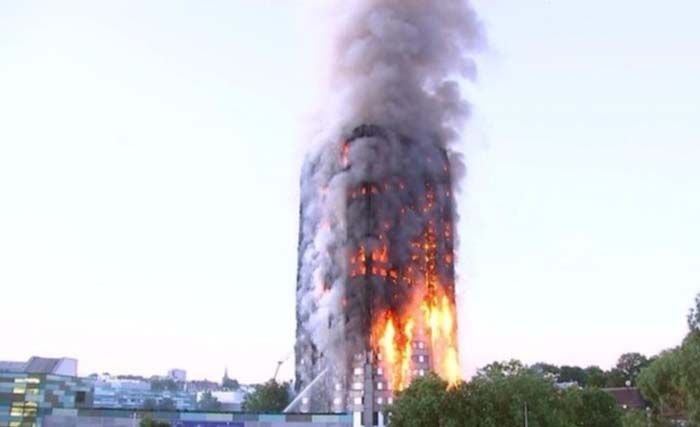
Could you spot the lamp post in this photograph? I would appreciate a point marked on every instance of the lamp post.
(525, 414)
(648, 413)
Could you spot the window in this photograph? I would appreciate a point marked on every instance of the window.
(27, 381)
(80, 397)
(421, 359)
(380, 400)
(357, 401)
(380, 386)
(379, 371)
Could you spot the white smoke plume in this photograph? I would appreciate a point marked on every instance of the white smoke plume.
(395, 65)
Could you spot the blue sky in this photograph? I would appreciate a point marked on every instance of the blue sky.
(149, 158)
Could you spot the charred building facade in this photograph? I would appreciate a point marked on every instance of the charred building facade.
(375, 284)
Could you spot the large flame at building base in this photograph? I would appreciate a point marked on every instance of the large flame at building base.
(393, 336)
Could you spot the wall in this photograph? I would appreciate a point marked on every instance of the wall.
(125, 418)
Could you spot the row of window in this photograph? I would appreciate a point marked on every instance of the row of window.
(379, 400)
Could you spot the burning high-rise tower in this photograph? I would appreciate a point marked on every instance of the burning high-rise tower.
(376, 286)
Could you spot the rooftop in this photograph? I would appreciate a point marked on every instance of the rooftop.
(43, 365)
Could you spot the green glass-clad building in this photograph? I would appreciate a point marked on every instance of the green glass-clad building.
(26, 397)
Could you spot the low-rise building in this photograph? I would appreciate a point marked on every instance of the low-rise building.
(29, 390)
(115, 392)
(628, 398)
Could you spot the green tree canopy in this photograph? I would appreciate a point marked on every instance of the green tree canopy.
(230, 384)
(502, 369)
(672, 381)
(694, 316)
(424, 403)
(575, 374)
(596, 377)
(630, 365)
(615, 378)
(208, 402)
(501, 395)
(547, 369)
(660, 382)
(591, 407)
(689, 380)
(269, 397)
(149, 404)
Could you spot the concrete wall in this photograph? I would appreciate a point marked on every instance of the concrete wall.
(121, 418)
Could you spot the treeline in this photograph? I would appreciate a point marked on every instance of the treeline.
(672, 381)
(623, 374)
(500, 395)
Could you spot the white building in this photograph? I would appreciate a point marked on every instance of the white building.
(179, 375)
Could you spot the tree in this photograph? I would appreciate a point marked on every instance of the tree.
(501, 396)
(486, 402)
(660, 381)
(575, 374)
(595, 377)
(694, 316)
(690, 375)
(149, 421)
(269, 397)
(672, 381)
(635, 419)
(230, 384)
(167, 404)
(149, 404)
(501, 400)
(502, 369)
(615, 378)
(630, 365)
(591, 407)
(491, 400)
(547, 370)
(425, 402)
(208, 402)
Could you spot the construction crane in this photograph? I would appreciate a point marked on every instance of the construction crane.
(279, 364)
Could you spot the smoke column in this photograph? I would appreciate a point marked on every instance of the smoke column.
(376, 240)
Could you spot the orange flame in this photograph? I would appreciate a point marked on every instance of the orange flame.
(345, 154)
(394, 343)
(440, 318)
(432, 309)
